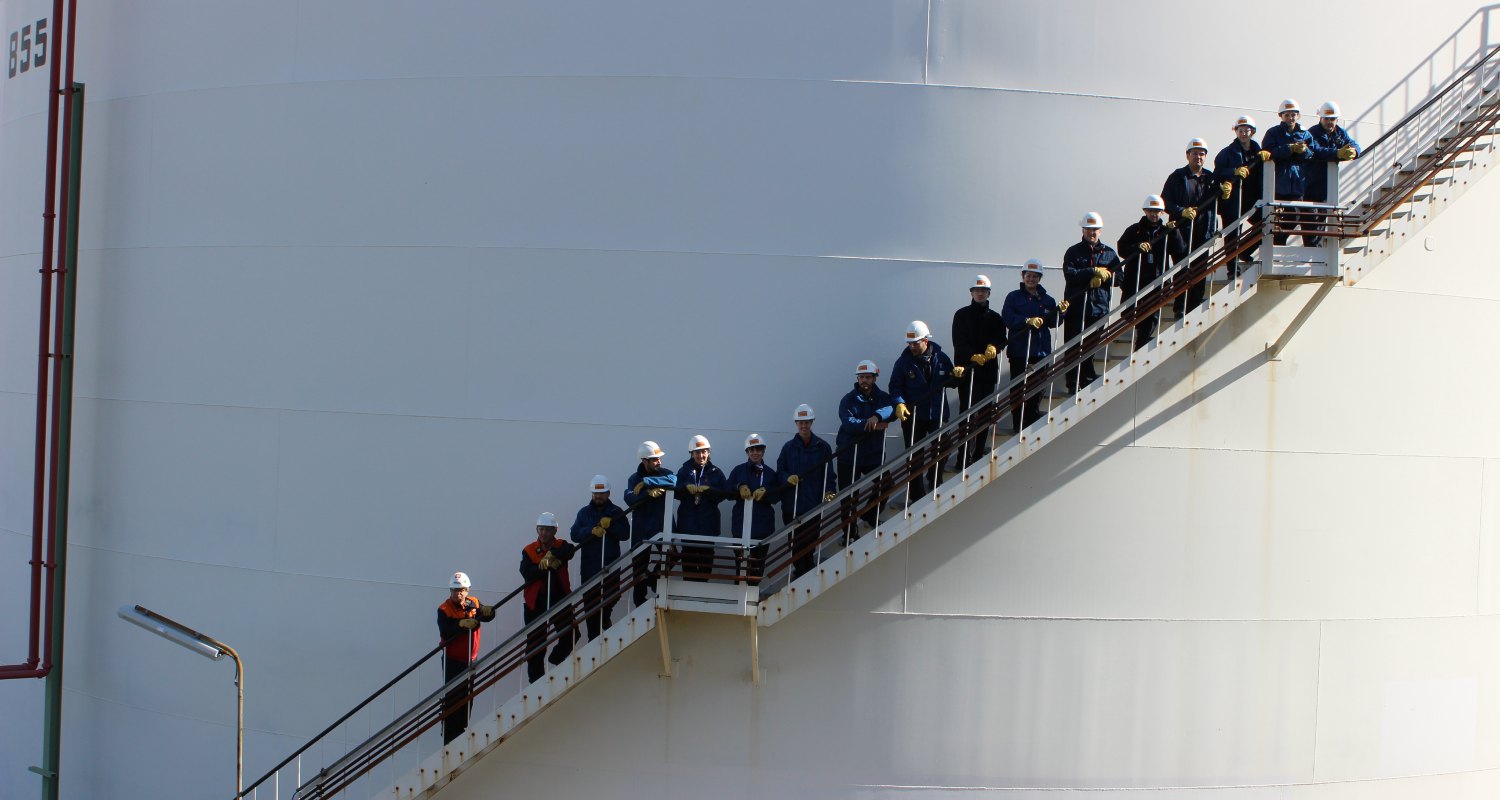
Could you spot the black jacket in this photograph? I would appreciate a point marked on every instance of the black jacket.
(975, 326)
(1143, 268)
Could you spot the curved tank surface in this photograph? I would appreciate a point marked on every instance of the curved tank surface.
(366, 286)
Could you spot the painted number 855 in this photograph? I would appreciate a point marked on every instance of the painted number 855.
(25, 51)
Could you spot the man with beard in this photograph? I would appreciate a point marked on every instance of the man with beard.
(646, 489)
(544, 566)
(978, 335)
(701, 486)
(1237, 168)
(864, 414)
(1330, 143)
(1089, 269)
(1030, 314)
(918, 385)
(598, 530)
(806, 464)
(1147, 245)
(1191, 194)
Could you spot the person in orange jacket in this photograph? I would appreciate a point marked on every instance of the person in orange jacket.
(458, 620)
(544, 565)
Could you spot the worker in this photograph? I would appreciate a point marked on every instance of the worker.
(1147, 245)
(864, 414)
(701, 486)
(544, 566)
(1192, 195)
(918, 386)
(646, 492)
(806, 465)
(1030, 314)
(978, 338)
(458, 619)
(1291, 148)
(1330, 144)
(1090, 268)
(598, 530)
(759, 486)
(1238, 170)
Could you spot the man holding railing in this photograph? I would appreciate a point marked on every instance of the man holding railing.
(598, 529)
(646, 491)
(1237, 168)
(1146, 246)
(1030, 314)
(978, 337)
(458, 620)
(1291, 148)
(806, 464)
(544, 565)
(1089, 269)
(758, 487)
(864, 414)
(1330, 144)
(918, 386)
(1191, 194)
(701, 486)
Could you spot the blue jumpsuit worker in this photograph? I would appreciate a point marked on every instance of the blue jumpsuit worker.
(1238, 170)
(646, 491)
(458, 620)
(1090, 268)
(1192, 195)
(758, 485)
(598, 530)
(1291, 148)
(1146, 245)
(864, 414)
(806, 465)
(919, 386)
(1030, 314)
(978, 337)
(701, 486)
(1331, 144)
(544, 566)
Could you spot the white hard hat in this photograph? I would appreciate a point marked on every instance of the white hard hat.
(548, 519)
(754, 440)
(1197, 143)
(1245, 119)
(1091, 220)
(599, 484)
(1329, 109)
(649, 449)
(458, 581)
(1289, 105)
(1032, 265)
(1153, 202)
(803, 411)
(699, 442)
(980, 282)
(866, 367)
(917, 331)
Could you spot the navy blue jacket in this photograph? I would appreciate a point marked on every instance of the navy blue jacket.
(698, 514)
(915, 381)
(763, 519)
(1143, 268)
(1020, 306)
(1200, 191)
(650, 516)
(854, 409)
(1245, 192)
(1291, 169)
(1078, 270)
(1325, 147)
(803, 460)
(589, 545)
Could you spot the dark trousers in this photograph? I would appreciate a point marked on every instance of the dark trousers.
(1033, 401)
(561, 623)
(641, 572)
(1196, 293)
(1145, 330)
(978, 384)
(1232, 237)
(848, 474)
(455, 702)
(805, 547)
(697, 559)
(913, 430)
(1280, 238)
(1073, 323)
(600, 603)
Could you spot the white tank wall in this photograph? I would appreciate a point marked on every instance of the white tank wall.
(363, 289)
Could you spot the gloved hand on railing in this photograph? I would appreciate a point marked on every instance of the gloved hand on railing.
(1347, 153)
(1062, 307)
(978, 359)
(828, 497)
(606, 522)
(1298, 148)
(639, 487)
(1095, 283)
(1102, 272)
(990, 352)
(902, 412)
(958, 372)
(1265, 155)
(486, 613)
(759, 494)
(468, 624)
(549, 561)
(1226, 189)
(1241, 172)
(694, 488)
(1172, 223)
(1190, 213)
(1145, 247)
(656, 493)
(793, 480)
(1035, 322)
(598, 531)
(745, 491)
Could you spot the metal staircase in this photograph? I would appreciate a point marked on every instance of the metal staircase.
(1410, 174)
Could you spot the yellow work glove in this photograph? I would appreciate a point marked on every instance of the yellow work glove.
(1145, 247)
(1172, 223)
(978, 359)
(549, 561)
(468, 624)
(1347, 153)
(1242, 172)
(958, 372)
(759, 494)
(1062, 307)
(656, 492)
(1265, 155)
(639, 487)
(1095, 283)
(486, 613)
(1035, 322)
(828, 497)
(793, 480)
(744, 492)
(1190, 213)
(694, 488)
(1226, 189)
(598, 531)
(1298, 148)
(990, 352)
(902, 412)
(606, 522)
